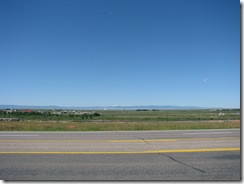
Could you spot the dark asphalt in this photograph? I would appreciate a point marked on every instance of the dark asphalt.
(174, 166)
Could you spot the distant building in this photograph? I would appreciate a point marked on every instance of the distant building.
(9, 119)
(221, 114)
(9, 111)
(27, 110)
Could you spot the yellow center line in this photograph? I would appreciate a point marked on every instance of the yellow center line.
(130, 152)
(194, 150)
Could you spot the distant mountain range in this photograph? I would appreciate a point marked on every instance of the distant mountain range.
(115, 107)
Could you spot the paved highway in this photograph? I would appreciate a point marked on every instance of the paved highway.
(122, 155)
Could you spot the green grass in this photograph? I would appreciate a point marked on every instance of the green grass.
(136, 116)
(115, 126)
(168, 115)
(113, 120)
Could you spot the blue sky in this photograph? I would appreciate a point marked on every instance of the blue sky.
(120, 52)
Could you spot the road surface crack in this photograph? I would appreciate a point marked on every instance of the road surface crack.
(153, 146)
(202, 171)
(199, 170)
(142, 139)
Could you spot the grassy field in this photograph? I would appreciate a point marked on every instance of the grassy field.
(115, 126)
(133, 115)
(114, 120)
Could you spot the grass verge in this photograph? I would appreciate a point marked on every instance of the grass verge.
(116, 126)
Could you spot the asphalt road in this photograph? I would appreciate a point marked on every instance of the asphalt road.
(123, 155)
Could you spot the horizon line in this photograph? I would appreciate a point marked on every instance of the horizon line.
(114, 106)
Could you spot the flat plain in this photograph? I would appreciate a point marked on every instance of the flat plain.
(117, 120)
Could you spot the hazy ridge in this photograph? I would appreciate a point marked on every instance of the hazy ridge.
(115, 107)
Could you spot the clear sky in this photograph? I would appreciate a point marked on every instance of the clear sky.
(120, 52)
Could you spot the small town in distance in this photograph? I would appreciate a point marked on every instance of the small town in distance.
(16, 114)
